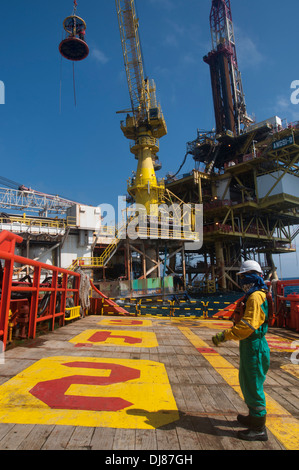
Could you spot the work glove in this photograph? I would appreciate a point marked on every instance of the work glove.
(219, 338)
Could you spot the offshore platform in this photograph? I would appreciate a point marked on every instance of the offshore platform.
(127, 373)
(245, 175)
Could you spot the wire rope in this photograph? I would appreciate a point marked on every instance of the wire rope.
(74, 84)
(60, 87)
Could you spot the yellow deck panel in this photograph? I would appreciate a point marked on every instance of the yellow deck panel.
(125, 322)
(137, 339)
(96, 392)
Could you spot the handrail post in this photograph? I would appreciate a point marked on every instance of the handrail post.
(63, 297)
(53, 297)
(34, 303)
(5, 298)
(77, 287)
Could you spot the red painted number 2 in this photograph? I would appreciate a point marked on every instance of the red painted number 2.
(53, 392)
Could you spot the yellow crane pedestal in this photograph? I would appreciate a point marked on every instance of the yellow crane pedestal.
(145, 187)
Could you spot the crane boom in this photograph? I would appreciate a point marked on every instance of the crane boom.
(147, 124)
(128, 25)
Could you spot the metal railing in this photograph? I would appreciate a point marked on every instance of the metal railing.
(26, 199)
(72, 313)
(39, 223)
(57, 288)
(143, 233)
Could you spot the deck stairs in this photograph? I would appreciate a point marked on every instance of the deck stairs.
(103, 260)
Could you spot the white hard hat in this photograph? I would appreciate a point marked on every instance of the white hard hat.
(250, 265)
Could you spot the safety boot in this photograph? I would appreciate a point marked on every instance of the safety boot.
(244, 420)
(256, 430)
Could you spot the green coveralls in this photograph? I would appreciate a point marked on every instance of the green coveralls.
(254, 352)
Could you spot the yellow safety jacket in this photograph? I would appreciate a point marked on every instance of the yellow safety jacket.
(254, 317)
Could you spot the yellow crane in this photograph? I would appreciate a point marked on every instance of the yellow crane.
(144, 123)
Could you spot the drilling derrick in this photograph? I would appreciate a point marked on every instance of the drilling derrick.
(246, 174)
(144, 123)
(227, 89)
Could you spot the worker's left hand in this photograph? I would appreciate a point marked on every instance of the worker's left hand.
(219, 338)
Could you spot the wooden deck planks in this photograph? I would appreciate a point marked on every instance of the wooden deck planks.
(207, 404)
(103, 439)
(58, 439)
(146, 439)
(36, 438)
(124, 439)
(16, 436)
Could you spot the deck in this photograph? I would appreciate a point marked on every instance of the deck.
(140, 383)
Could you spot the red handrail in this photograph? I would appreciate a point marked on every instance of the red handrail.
(114, 307)
(8, 241)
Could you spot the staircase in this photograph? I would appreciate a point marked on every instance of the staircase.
(103, 260)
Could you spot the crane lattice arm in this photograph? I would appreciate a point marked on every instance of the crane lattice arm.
(146, 124)
(128, 25)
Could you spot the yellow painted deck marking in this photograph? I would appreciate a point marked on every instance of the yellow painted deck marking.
(279, 421)
(292, 369)
(280, 344)
(125, 322)
(88, 391)
(137, 339)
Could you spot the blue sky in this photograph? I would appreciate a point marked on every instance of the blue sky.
(80, 152)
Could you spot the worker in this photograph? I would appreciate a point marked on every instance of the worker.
(250, 331)
(178, 282)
